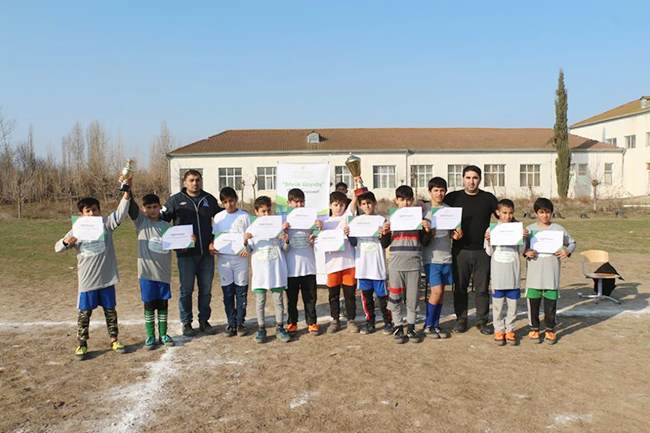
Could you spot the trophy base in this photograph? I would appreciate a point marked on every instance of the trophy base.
(123, 187)
(360, 191)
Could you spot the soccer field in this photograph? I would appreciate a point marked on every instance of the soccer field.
(596, 379)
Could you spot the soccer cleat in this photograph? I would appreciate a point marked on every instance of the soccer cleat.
(282, 335)
(167, 340)
(333, 328)
(460, 327)
(368, 329)
(261, 336)
(206, 328)
(353, 327)
(231, 331)
(81, 353)
(188, 331)
(118, 347)
(398, 335)
(550, 337)
(313, 329)
(510, 338)
(242, 331)
(534, 337)
(413, 336)
(435, 332)
(500, 338)
(293, 328)
(388, 329)
(150, 343)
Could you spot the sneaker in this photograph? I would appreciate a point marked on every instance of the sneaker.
(510, 338)
(484, 328)
(206, 328)
(188, 331)
(436, 332)
(118, 347)
(292, 328)
(388, 329)
(333, 328)
(398, 335)
(282, 335)
(550, 337)
(167, 340)
(313, 329)
(500, 338)
(534, 337)
(460, 327)
(242, 331)
(150, 343)
(81, 353)
(368, 329)
(231, 331)
(261, 336)
(353, 327)
(413, 336)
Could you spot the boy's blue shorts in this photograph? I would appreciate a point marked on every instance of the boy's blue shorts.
(154, 290)
(510, 294)
(379, 286)
(91, 300)
(439, 274)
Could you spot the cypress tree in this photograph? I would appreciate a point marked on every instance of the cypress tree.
(561, 139)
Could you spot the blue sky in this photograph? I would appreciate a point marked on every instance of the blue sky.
(204, 67)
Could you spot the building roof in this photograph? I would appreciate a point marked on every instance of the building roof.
(381, 139)
(627, 109)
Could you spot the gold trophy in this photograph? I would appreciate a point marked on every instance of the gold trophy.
(127, 173)
(354, 165)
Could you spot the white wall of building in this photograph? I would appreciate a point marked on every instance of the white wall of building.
(636, 161)
(436, 164)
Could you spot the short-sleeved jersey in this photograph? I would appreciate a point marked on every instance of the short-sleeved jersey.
(439, 249)
(543, 272)
(236, 222)
(154, 263)
(370, 258)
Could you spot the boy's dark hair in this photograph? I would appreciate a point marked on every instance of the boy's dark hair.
(227, 192)
(505, 202)
(262, 200)
(87, 202)
(295, 194)
(193, 172)
(473, 168)
(150, 199)
(543, 203)
(338, 197)
(369, 196)
(404, 191)
(341, 184)
(437, 182)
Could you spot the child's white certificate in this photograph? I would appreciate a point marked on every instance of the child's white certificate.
(301, 218)
(329, 241)
(178, 237)
(229, 243)
(446, 218)
(366, 226)
(507, 234)
(88, 228)
(406, 219)
(547, 241)
(265, 227)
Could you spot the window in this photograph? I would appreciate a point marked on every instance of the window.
(230, 177)
(342, 174)
(313, 138)
(495, 174)
(455, 175)
(529, 175)
(265, 178)
(630, 141)
(610, 141)
(182, 172)
(383, 176)
(582, 169)
(647, 139)
(572, 171)
(420, 175)
(609, 169)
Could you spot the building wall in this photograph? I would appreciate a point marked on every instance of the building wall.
(437, 164)
(636, 161)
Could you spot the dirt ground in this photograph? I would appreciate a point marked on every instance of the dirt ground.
(596, 379)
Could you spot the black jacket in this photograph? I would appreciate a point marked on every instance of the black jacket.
(181, 209)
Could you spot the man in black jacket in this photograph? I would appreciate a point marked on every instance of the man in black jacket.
(194, 206)
(469, 257)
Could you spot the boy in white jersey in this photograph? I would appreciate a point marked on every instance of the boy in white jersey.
(505, 272)
(269, 273)
(232, 268)
(370, 268)
(97, 272)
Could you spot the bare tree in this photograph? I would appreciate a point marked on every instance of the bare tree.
(158, 179)
(7, 127)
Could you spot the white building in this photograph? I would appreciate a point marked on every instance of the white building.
(628, 128)
(515, 162)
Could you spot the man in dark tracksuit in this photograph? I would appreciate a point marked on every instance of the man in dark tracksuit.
(194, 206)
(469, 257)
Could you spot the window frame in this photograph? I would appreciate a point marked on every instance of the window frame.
(264, 178)
(390, 177)
(228, 176)
(530, 171)
(421, 177)
(488, 172)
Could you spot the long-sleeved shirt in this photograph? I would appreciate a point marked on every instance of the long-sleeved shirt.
(154, 263)
(543, 272)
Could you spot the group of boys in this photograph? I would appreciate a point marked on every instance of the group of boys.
(288, 264)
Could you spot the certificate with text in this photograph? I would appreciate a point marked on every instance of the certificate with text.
(366, 226)
(88, 228)
(178, 237)
(547, 241)
(330, 240)
(265, 227)
(302, 218)
(507, 234)
(446, 218)
(229, 243)
(406, 219)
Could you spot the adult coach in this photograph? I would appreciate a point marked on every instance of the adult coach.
(469, 257)
(196, 207)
